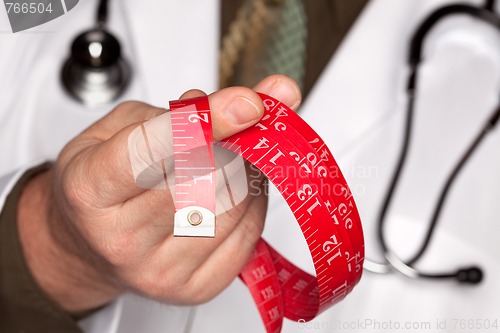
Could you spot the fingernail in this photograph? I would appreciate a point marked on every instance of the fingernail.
(281, 90)
(242, 111)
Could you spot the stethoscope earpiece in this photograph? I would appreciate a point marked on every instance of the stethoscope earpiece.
(95, 72)
(471, 275)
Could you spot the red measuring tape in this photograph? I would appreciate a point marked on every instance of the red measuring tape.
(194, 168)
(318, 196)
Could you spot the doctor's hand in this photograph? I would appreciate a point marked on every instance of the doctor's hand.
(89, 232)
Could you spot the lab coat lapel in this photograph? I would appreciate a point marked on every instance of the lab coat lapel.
(175, 51)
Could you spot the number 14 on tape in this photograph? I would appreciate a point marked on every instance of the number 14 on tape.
(194, 168)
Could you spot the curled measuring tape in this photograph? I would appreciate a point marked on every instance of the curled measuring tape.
(317, 194)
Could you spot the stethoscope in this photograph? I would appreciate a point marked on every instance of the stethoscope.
(96, 73)
(473, 274)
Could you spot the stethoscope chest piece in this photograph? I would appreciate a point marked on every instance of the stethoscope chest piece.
(95, 72)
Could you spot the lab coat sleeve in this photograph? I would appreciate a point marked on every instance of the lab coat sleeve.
(23, 305)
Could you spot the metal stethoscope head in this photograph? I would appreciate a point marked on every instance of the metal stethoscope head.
(95, 73)
(470, 275)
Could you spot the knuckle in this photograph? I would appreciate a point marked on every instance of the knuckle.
(117, 250)
(198, 292)
(163, 284)
(160, 283)
(253, 229)
(252, 234)
(146, 111)
(147, 154)
(79, 190)
(75, 191)
(128, 106)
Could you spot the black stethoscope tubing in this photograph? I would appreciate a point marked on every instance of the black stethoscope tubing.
(474, 274)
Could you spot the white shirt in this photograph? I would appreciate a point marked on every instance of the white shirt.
(361, 100)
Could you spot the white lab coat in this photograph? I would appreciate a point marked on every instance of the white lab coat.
(357, 107)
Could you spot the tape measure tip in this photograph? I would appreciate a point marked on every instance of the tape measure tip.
(194, 221)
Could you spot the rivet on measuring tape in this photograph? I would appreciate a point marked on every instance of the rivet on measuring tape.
(194, 221)
(195, 217)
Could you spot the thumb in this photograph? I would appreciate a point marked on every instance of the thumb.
(237, 108)
(137, 158)
(233, 110)
(150, 144)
